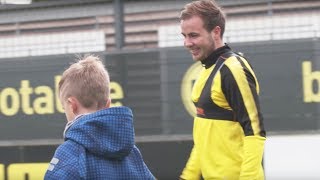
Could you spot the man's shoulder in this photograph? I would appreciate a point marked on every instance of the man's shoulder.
(235, 61)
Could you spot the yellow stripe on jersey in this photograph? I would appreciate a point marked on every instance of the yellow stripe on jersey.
(239, 75)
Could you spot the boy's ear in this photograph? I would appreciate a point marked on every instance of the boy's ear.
(73, 103)
(108, 103)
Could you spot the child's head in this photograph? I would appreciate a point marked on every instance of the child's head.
(84, 87)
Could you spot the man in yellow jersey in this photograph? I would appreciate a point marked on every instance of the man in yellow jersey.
(228, 130)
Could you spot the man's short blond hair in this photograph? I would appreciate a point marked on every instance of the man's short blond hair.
(209, 11)
(88, 81)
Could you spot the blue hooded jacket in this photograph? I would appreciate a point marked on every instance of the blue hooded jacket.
(99, 146)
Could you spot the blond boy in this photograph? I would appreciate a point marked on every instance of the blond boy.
(98, 139)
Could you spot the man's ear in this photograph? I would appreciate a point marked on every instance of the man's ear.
(73, 103)
(216, 32)
(108, 103)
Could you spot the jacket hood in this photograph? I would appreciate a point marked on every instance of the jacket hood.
(108, 133)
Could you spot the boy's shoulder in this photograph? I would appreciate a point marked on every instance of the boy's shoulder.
(68, 150)
(65, 160)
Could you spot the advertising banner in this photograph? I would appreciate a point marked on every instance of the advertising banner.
(157, 84)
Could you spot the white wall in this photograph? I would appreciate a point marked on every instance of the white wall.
(294, 157)
(251, 29)
(52, 43)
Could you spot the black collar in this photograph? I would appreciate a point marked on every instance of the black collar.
(213, 57)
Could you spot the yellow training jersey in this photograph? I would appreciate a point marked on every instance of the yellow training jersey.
(228, 130)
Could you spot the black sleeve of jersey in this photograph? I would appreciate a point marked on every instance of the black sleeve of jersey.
(236, 101)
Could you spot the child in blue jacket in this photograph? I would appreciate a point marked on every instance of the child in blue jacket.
(98, 139)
